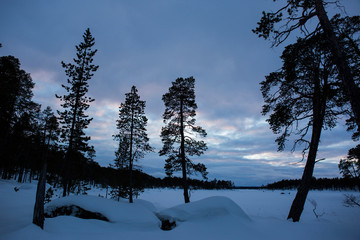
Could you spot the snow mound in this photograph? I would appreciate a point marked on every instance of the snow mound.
(212, 207)
(140, 213)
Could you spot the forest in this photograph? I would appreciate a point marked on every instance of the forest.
(30, 133)
(38, 145)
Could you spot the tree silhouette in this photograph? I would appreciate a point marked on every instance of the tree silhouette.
(303, 98)
(178, 135)
(350, 166)
(296, 15)
(49, 136)
(132, 136)
(73, 118)
(18, 114)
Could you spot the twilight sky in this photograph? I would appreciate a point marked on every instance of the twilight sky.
(151, 43)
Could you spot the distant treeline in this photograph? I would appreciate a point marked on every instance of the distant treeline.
(119, 177)
(318, 184)
(174, 182)
(108, 176)
(90, 172)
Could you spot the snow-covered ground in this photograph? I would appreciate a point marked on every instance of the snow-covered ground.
(223, 214)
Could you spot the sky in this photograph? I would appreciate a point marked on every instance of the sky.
(150, 44)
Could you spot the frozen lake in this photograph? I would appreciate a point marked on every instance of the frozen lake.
(205, 218)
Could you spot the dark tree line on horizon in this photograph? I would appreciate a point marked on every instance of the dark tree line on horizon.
(317, 184)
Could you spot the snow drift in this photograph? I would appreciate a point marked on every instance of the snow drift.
(139, 214)
(211, 207)
(143, 213)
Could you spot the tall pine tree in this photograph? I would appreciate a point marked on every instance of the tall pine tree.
(301, 15)
(303, 98)
(132, 136)
(180, 131)
(73, 118)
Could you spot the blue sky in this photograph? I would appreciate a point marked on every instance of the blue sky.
(151, 43)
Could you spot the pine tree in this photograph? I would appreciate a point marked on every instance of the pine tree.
(178, 136)
(73, 118)
(49, 136)
(132, 136)
(303, 98)
(297, 15)
(340, 37)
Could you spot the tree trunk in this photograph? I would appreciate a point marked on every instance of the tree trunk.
(319, 105)
(68, 161)
(6, 173)
(38, 217)
(298, 204)
(64, 187)
(182, 152)
(65, 179)
(19, 155)
(119, 193)
(130, 184)
(353, 92)
(68, 157)
(21, 173)
(4, 155)
(131, 158)
(30, 175)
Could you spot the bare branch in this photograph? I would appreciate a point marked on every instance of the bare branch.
(351, 200)
(319, 160)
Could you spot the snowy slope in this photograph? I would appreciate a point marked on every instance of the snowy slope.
(243, 214)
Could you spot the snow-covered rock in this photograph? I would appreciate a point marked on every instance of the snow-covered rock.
(75, 211)
(212, 207)
(140, 213)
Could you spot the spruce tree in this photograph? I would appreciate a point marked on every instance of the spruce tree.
(73, 118)
(132, 136)
(179, 133)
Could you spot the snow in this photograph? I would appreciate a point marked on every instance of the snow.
(212, 207)
(117, 212)
(223, 214)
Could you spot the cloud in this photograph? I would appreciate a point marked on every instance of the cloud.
(46, 86)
